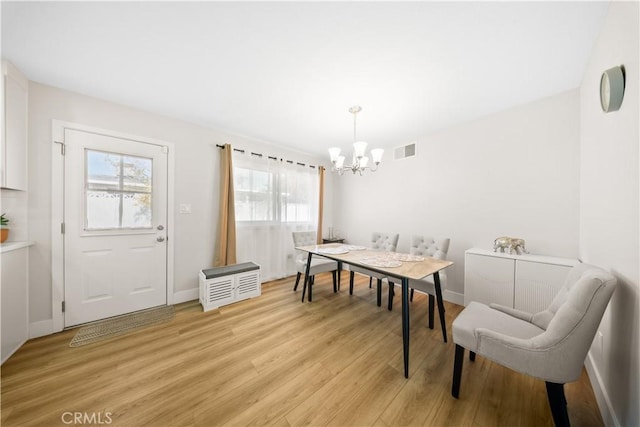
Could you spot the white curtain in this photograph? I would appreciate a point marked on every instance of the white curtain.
(273, 198)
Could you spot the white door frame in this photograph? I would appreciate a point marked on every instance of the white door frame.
(57, 211)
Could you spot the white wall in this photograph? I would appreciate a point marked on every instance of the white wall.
(196, 180)
(513, 173)
(609, 217)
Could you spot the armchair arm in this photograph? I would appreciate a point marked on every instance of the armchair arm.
(513, 312)
(488, 338)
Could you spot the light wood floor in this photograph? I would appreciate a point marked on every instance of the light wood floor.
(275, 360)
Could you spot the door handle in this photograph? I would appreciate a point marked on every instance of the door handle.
(160, 239)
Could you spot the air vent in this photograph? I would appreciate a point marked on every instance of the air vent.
(405, 151)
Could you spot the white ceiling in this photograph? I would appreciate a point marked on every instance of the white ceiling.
(288, 72)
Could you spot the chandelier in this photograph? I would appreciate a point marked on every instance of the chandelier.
(359, 161)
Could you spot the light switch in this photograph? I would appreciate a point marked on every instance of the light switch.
(185, 208)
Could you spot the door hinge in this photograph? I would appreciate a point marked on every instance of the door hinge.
(62, 227)
(63, 306)
(61, 146)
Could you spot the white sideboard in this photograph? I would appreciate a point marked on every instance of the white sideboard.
(14, 294)
(525, 282)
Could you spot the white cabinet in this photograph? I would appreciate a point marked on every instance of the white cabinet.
(488, 279)
(224, 285)
(13, 150)
(526, 282)
(15, 298)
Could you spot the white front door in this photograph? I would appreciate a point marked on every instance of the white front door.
(115, 218)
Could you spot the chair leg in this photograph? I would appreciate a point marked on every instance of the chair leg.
(295, 287)
(431, 310)
(457, 371)
(558, 404)
(379, 292)
(472, 356)
(335, 282)
(351, 274)
(392, 293)
(436, 279)
(411, 295)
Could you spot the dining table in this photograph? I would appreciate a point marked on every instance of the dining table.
(397, 267)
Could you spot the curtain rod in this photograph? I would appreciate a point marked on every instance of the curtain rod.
(269, 157)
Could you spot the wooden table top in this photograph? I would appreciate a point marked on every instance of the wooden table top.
(408, 269)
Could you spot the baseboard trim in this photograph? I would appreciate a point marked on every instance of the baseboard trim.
(11, 352)
(41, 328)
(602, 397)
(184, 296)
(453, 297)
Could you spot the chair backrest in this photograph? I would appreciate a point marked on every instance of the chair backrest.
(304, 238)
(384, 241)
(573, 317)
(428, 246)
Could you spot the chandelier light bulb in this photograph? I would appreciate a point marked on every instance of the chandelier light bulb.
(334, 152)
(376, 154)
(359, 148)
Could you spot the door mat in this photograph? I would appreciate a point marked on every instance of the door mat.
(109, 328)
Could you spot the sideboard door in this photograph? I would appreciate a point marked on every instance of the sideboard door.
(488, 279)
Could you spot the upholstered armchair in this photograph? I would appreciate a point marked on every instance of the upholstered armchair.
(382, 242)
(318, 264)
(550, 345)
(429, 247)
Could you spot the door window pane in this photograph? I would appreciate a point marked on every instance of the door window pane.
(118, 191)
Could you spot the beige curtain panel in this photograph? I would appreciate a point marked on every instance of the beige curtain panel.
(320, 202)
(226, 250)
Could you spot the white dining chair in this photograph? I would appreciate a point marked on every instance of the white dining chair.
(429, 247)
(550, 345)
(382, 242)
(318, 264)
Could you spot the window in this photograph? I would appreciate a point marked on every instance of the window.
(286, 195)
(272, 199)
(117, 191)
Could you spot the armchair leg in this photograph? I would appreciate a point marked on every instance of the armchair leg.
(379, 292)
(351, 274)
(370, 282)
(295, 287)
(335, 282)
(558, 404)
(392, 293)
(411, 295)
(431, 310)
(472, 356)
(457, 371)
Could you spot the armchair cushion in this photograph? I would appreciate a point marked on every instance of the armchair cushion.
(472, 323)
